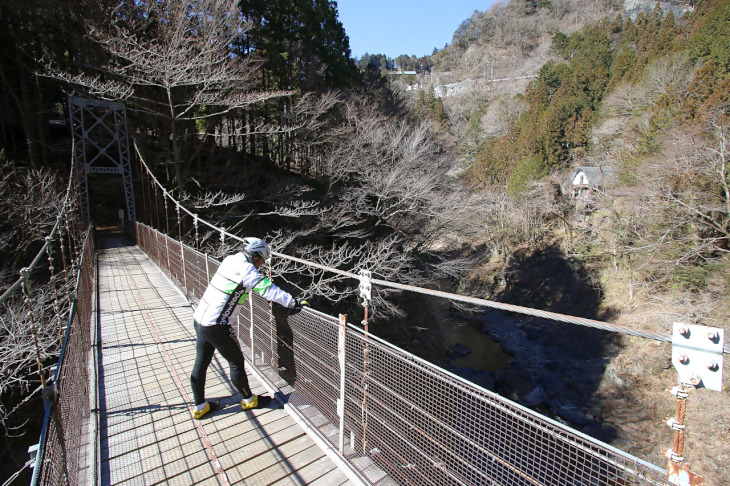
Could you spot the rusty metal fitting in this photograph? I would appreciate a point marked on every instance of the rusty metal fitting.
(673, 456)
(681, 475)
(673, 423)
(694, 381)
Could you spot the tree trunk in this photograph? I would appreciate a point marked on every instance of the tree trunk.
(177, 163)
(176, 157)
(28, 125)
(631, 280)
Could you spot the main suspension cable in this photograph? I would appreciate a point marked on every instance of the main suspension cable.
(553, 316)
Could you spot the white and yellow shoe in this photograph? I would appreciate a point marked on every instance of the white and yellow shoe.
(209, 407)
(258, 401)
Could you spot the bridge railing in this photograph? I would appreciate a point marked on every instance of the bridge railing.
(392, 417)
(63, 452)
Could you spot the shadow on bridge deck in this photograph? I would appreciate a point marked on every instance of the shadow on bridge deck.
(146, 433)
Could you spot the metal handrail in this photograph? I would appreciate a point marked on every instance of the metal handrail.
(52, 393)
(420, 424)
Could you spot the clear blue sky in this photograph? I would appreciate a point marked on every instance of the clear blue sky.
(395, 27)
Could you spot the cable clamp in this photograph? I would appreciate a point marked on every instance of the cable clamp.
(33, 451)
(50, 393)
(673, 456)
(679, 393)
(366, 286)
(674, 424)
(25, 281)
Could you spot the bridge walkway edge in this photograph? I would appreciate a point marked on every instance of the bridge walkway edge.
(146, 433)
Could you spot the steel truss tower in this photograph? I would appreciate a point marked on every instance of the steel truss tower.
(101, 146)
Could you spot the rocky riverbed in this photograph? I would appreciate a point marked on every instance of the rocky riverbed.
(556, 368)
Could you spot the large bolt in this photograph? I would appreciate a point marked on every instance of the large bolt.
(683, 358)
(712, 365)
(713, 336)
(684, 331)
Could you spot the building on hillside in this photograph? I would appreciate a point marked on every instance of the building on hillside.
(587, 181)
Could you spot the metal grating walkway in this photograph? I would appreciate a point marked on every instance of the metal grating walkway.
(145, 352)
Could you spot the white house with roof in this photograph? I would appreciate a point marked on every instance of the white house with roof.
(587, 181)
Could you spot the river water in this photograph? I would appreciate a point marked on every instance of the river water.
(468, 346)
(486, 354)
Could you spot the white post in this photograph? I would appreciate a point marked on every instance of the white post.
(207, 270)
(366, 288)
(195, 223)
(341, 401)
(250, 331)
(182, 249)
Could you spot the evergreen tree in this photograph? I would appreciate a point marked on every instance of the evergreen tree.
(373, 90)
(703, 85)
(33, 31)
(711, 37)
(665, 39)
(529, 170)
(422, 105)
(472, 141)
(438, 112)
(301, 44)
(325, 55)
(302, 47)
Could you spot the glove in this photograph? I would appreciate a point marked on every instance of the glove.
(299, 303)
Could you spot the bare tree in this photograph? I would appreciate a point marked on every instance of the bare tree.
(173, 60)
(22, 341)
(388, 173)
(389, 198)
(669, 73)
(628, 99)
(698, 191)
(389, 201)
(680, 216)
(29, 201)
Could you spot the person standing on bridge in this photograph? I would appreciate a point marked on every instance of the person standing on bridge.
(237, 276)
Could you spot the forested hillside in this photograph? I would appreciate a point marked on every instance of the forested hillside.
(645, 98)
(255, 115)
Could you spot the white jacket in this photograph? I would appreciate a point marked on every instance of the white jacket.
(228, 289)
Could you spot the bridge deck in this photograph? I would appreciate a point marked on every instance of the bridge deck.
(146, 431)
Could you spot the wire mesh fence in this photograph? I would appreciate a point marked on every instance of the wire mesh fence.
(63, 453)
(393, 417)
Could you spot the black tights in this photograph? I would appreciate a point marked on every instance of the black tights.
(211, 338)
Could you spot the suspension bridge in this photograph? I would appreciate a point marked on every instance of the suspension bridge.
(349, 407)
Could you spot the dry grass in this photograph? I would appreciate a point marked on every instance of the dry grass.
(634, 393)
